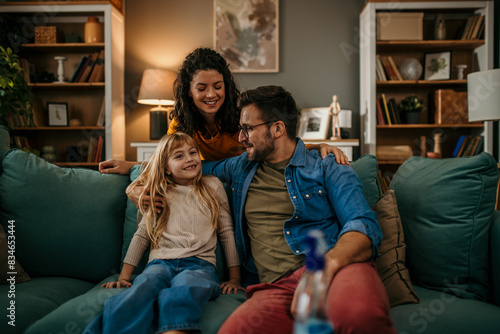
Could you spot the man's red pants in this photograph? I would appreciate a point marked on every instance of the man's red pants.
(357, 303)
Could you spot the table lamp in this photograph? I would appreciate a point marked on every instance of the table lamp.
(483, 95)
(157, 89)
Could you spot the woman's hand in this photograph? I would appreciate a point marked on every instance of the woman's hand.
(340, 157)
(231, 286)
(116, 166)
(121, 283)
(133, 192)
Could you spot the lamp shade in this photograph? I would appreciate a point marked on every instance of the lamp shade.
(157, 87)
(345, 119)
(484, 95)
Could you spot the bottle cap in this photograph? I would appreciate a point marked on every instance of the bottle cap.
(315, 252)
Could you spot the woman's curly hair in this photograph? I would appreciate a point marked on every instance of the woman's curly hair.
(186, 113)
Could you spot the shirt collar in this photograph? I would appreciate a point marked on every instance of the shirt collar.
(299, 155)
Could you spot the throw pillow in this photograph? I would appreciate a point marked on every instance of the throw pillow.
(367, 169)
(446, 207)
(6, 264)
(391, 262)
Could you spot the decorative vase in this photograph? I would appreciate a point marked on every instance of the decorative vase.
(439, 27)
(93, 30)
(410, 69)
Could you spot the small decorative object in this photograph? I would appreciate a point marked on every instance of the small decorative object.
(314, 123)
(437, 66)
(93, 30)
(49, 153)
(60, 69)
(460, 71)
(75, 122)
(58, 114)
(410, 69)
(47, 35)
(450, 107)
(411, 107)
(334, 110)
(439, 27)
(437, 147)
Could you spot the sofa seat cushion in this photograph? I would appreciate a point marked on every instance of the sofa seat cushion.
(67, 222)
(74, 315)
(37, 298)
(446, 207)
(440, 312)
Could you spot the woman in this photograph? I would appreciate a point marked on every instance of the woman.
(205, 108)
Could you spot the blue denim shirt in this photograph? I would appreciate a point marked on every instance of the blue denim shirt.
(325, 195)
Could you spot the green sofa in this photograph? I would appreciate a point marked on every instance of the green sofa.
(69, 230)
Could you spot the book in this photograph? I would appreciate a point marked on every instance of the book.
(98, 69)
(92, 146)
(458, 146)
(102, 113)
(479, 147)
(388, 68)
(468, 150)
(380, 114)
(464, 144)
(477, 27)
(88, 67)
(393, 108)
(386, 109)
(380, 69)
(395, 68)
(78, 68)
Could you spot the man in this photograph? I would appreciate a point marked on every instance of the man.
(280, 192)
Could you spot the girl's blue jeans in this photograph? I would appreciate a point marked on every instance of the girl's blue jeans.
(168, 295)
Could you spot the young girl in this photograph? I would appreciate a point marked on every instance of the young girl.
(180, 276)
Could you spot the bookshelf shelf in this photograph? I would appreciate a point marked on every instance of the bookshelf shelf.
(430, 45)
(430, 126)
(421, 83)
(97, 102)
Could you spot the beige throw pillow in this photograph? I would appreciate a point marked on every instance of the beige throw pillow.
(391, 263)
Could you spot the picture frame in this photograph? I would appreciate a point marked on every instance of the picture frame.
(437, 65)
(57, 113)
(248, 35)
(314, 123)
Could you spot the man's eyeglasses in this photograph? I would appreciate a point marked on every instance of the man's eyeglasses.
(246, 129)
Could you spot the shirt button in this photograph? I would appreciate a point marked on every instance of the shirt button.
(297, 251)
(294, 197)
(307, 195)
(320, 192)
(296, 217)
(289, 181)
(288, 232)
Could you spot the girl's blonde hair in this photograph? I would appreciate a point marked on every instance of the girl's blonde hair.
(156, 181)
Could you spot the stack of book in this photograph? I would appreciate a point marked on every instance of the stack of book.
(386, 69)
(96, 149)
(387, 112)
(468, 146)
(473, 28)
(90, 68)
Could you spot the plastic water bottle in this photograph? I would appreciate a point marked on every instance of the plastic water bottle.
(311, 315)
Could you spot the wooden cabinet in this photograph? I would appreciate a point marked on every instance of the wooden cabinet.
(85, 100)
(477, 54)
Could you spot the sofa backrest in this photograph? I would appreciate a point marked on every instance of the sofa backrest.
(68, 222)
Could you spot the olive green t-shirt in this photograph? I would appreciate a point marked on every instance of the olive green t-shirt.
(267, 207)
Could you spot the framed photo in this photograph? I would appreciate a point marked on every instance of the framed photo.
(314, 123)
(246, 33)
(437, 66)
(58, 113)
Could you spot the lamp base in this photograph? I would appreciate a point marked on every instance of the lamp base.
(158, 124)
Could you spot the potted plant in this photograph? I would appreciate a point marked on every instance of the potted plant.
(16, 97)
(410, 108)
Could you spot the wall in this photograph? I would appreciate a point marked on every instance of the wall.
(318, 52)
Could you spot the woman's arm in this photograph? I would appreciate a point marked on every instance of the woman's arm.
(123, 279)
(340, 157)
(116, 166)
(234, 283)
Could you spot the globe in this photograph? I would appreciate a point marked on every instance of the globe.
(410, 69)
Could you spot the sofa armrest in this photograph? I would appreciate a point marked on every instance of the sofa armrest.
(495, 256)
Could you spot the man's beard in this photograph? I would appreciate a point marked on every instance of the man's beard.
(261, 154)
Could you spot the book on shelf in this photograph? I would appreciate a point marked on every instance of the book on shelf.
(394, 68)
(97, 74)
(468, 146)
(473, 27)
(393, 111)
(92, 148)
(102, 113)
(380, 114)
(79, 68)
(381, 76)
(88, 67)
(383, 182)
(388, 68)
(458, 146)
(385, 109)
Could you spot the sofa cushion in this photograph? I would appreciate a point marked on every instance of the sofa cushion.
(367, 169)
(8, 262)
(446, 207)
(68, 222)
(391, 262)
(37, 298)
(440, 312)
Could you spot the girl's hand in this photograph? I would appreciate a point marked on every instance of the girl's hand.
(133, 192)
(121, 283)
(231, 286)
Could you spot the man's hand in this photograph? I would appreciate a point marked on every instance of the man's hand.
(116, 166)
(340, 156)
(133, 192)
